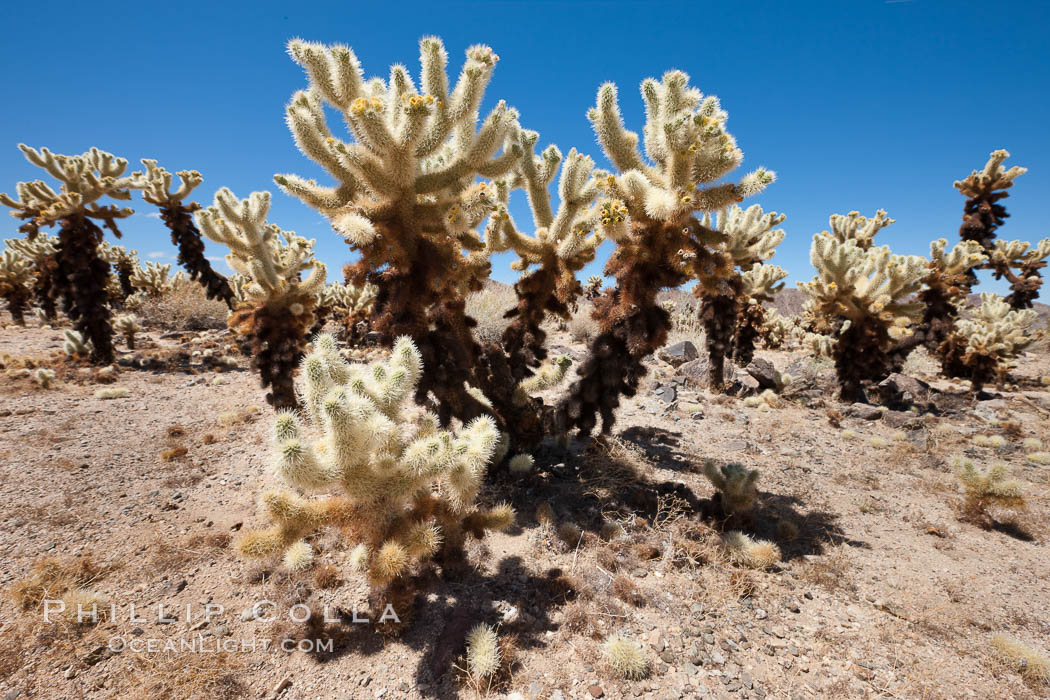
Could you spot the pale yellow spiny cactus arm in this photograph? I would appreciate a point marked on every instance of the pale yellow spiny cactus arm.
(747, 235)
(255, 247)
(84, 179)
(688, 148)
(156, 184)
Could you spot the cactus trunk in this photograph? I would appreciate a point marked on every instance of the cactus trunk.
(80, 279)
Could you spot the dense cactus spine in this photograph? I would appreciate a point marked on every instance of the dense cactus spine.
(156, 185)
(407, 488)
(279, 306)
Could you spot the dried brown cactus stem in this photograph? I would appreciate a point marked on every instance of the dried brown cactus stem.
(43, 287)
(80, 279)
(633, 326)
(184, 234)
(750, 320)
(278, 339)
(861, 358)
(718, 313)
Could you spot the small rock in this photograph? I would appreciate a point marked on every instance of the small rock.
(764, 373)
(864, 411)
(281, 686)
(667, 394)
(679, 353)
(596, 691)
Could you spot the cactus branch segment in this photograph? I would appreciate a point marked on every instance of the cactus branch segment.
(156, 185)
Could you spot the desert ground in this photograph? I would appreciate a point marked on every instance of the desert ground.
(883, 590)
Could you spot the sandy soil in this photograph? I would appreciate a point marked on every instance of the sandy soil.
(883, 592)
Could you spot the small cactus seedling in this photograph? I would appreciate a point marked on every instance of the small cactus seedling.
(44, 377)
(986, 488)
(75, 345)
(736, 485)
(483, 652)
(127, 325)
(626, 657)
(745, 551)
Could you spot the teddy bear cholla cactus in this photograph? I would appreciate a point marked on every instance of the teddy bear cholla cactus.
(280, 305)
(152, 280)
(406, 195)
(80, 275)
(983, 213)
(16, 278)
(407, 487)
(733, 287)
(127, 325)
(156, 186)
(1006, 256)
(125, 262)
(650, 210)
(562, 242)
(982, 345)
(353, 303)
(864, 295)
(40, 251)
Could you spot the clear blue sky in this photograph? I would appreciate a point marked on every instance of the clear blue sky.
(857, 104)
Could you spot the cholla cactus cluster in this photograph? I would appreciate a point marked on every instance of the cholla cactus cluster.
(125, 263)
(352, 303)
(279, 307)
(80, 275)
(406, 487)
(982, 345)
(736, 486)
(40, 252)
(156, 185)
(864, 295)
(152, 280)
(984, 213)
(16, 279)
(650, 210)
(736, 287)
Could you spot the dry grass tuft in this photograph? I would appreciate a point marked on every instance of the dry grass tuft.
(185, 308)
(52, 578)
(326, 576)
(1031, 663)
(173, 453)
(624, 589)
(488, 307)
